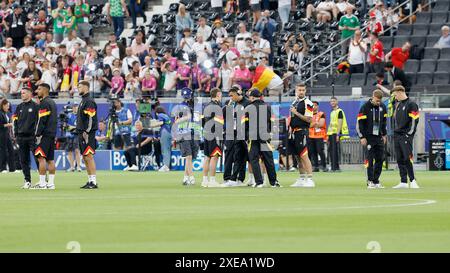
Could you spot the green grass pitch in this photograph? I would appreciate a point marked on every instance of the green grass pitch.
(152, 212)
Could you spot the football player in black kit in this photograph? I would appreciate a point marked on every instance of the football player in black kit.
(87, 125)
(45, 138)
(25, 118)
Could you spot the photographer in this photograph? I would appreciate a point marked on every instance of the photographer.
(122, 120)
(144, 139)
(296, 54)
(71, 146)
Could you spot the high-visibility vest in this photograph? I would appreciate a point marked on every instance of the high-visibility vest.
(334, 122)
(391, 106)
(318, 132)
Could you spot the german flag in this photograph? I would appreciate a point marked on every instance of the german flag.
(262, 77)
(414, 115)
(44, 113)
(366, 163)
(88, 151)
(217, 152)
(90, 112)
(39, 152)
(309, 109)
(304, 152)
(219, 120)
(14, 117)
(361, 116)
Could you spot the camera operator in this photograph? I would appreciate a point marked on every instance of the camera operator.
(122, 120)
(144, 141)
(71, 145)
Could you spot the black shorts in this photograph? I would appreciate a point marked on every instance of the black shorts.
(87, 148)
(46, 148)
(212, 148)
(301, 142)
(122, 141)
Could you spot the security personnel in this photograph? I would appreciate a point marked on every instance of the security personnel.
(301, 117)
(371, 129)
(317, 136)
(72, 145)
(25, 118)
(45, 138)
(406, 118)
(213, 134)
(337, 131)
(87, 126)
(236, 153)
(258, 126)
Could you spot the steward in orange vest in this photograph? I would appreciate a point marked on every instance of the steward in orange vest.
(317, 136)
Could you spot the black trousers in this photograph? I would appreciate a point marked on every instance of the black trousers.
(374, 158)
(403, 146)
(357, 68)
(334, 152)
(240, 160)
(262, 150)
(131, 153)
(229, 159)
(26, 145)
(6, 153)
(316, 149)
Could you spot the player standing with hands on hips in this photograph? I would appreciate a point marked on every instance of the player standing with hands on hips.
(406, 118)
(87, 125)
(45, 138)
(371, 129)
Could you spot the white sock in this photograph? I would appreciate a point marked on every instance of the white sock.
(205, 179)
(186, 178)
(51, 179)
(93, 179)
(191, 178)
(212, 179)
(42, 180)
(251, 177)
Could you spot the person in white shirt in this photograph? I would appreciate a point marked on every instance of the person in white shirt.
(356, 53)
(71, 40)
(203, 29)
(342, 6)
(170, 79)
(48, 76)
(225, 54)
(27, 48)
(202, 49)
(148, 67)
(225, 77)
(324, 12)
(187, 41)
(127, 63)
(295, 58)
(219, 31)
(109, 58)
(241, 36)
(261, 47)
(4, 51)
(284, 9)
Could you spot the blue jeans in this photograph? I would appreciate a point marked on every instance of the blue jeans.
(166, 146)
(284, 12)
(118, 26)
(136, 9)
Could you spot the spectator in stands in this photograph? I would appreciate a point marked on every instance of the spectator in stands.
(324, 12)
(265, 79)
(170, 76)
(15, 25)
(357, 53)
(226, 55)
(171, 59)
(444, 41)
(140, 49)
(69, 22)
(242, 75)
(78, 71)
(148, 84)
(108, 57)
(136, 8)
(127, 62)
(183, 75)
(380, 80)
(256, 11)
(203, 29)
(183, 21)
(266, 27)
(225, 80)
(59, 14)
(14, 79)
(260, 48)
(117, 84)
(284, 10)
(105, 79)
(5, 11)
(8, 48)
(393, 74)
(295, 54)
(71, 40)
(399, 55)
(118, 10)
(187, 41)
(342, 6)
(82, 11)
(392, 20)
(150, 67)
(40, 24)
(246, 53)
(217, 6)
(118, 49)
(4, 82)
(202, 49)
(241, 37)
(27, 47)
(374, 25)
(31, 76)
(375, 54)
(48, 76)
(348, 24)
(219, 32)
(64, 78)
(133, 87)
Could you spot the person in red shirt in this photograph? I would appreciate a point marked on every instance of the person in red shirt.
(374, 25)
(376, 54)
(399, 55)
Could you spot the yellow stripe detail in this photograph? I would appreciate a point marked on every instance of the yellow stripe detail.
(413, 116)
(362, 117)
(43, 114)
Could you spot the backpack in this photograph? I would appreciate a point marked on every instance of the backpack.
(416, 52)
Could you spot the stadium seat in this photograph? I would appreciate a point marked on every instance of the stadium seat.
(404, 29)
(412, 66)
(443, 5)
(400, 40)
(341, 79)
(427, 65)
(431, 40)
(439, 16)
(423, 18)
(412, 77)
(358, 79)
(443, 65)
(323, 80)
(441, 77)
(435, 29)
(445, 54)
(431, 53)
(420, 29)
(424, 78)
(418, 40)
(387, 41)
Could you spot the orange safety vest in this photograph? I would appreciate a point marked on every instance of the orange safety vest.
(318, 132)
